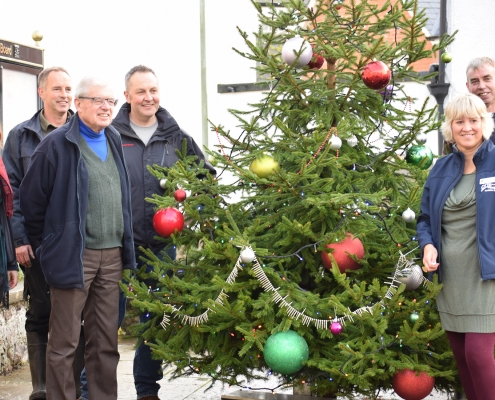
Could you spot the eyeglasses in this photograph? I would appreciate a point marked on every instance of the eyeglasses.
(99, 101)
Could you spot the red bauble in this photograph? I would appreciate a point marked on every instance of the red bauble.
(167, 221)
(180, 195)
(376, 75)
(341, 251)
(410, 386)
(316, 61)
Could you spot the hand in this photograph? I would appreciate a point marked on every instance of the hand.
(13, 276)
(430, 255)
(24, 254)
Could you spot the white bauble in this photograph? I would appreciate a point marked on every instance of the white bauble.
(352, 141)
(247, 255)
(411, 277)
(408, 215)
(163, 183)
(335, 143)
(292, 47)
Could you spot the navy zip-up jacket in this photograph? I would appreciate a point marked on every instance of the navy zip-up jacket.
(441, 180)
(160, 150)
(54, 199)
(19, 147)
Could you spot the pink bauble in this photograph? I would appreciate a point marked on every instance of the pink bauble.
(336, 328)
(376, 75)
(341, 251)
(167, 221)
(412, 386)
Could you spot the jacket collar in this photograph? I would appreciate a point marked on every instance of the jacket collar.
(486, 147)
(166, 123)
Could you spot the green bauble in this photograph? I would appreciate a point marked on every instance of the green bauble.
(419, 155)
(285, 352)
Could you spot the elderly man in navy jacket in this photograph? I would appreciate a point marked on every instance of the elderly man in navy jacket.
(75, 199)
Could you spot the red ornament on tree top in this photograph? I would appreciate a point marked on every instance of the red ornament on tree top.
(376, 75)
(317, 60)
(341, 251)
(412, 386)
(167, 221)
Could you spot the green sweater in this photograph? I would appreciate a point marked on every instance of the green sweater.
(465, 302)
(104, 219)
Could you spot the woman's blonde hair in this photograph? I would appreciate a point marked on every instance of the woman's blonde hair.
(467, 105)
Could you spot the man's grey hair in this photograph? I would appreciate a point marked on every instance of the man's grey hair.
(88, 83)
(42, 77)
(133, 70)
(480, 62)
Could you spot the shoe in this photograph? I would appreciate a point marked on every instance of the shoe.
(150, 398)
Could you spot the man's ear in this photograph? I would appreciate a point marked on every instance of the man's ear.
(41, 93)
(126, 96)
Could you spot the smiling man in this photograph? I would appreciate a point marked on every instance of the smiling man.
(150, 135)
(76, 203)
(480, 75)
(55, 89)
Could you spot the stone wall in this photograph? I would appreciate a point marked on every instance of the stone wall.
(13, 347)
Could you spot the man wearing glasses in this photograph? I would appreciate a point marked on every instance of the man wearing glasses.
(55, 89)
(76, 203)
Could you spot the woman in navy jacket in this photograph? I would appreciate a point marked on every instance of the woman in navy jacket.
(456, 235)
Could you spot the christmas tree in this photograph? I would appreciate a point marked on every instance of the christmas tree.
(299, 258)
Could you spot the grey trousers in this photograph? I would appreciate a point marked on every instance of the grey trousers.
(99, 303)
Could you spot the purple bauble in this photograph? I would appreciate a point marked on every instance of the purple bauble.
(387, 93)
(336, 328)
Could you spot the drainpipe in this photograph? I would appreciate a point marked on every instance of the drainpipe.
(204, 97)
(438, 88)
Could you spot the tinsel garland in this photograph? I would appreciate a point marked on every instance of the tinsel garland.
(277, 298)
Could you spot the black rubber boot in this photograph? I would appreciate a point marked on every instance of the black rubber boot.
(37, 363)
(78, 364)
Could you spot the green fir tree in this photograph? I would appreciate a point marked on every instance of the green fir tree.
(285, 189)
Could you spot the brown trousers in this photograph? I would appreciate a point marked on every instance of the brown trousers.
(99, 303)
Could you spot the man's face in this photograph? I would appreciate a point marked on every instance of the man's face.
(481, 82)
(94, 116)
(57, 92)
(143, 94)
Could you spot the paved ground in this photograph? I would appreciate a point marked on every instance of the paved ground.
(17, 386)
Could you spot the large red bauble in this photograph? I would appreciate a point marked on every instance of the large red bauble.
(167, 221)
(376, 75)
(410, 386)
(341, 251)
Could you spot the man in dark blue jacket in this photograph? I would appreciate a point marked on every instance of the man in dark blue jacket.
(150, 135)
(76, 203)
(55, 89)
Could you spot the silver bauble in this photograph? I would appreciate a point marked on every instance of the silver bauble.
(352, 141)
(421, 138)
(408, 215)
(335, 143)
(411, 277)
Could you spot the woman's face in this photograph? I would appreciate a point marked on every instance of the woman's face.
(467, 133)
